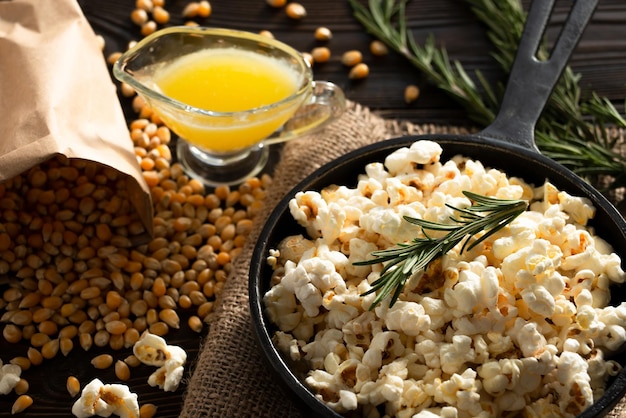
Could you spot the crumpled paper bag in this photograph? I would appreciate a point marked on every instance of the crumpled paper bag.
(57, 97)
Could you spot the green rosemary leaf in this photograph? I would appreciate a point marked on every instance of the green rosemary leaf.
(570, 121)
(486, 216)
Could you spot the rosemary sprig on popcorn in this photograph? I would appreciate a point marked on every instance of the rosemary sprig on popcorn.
(571, 130)
(486, 215)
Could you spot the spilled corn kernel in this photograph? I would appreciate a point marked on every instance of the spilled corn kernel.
(276, 3)
(295, 11)
(102, 361)
(411, 93)
(378, 48)
(322, 33)
(121, 370)
(147, 410)
(351, 58)
(359, 71)
(204, 9)
(21, 404)
(73, 386)
(320, 54)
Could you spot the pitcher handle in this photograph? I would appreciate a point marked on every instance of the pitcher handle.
(325, 105)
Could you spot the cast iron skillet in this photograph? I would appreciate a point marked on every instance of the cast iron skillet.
(507, 144)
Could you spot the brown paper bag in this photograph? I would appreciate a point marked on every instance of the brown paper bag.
(57, 97)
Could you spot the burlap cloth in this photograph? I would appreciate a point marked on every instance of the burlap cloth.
(230, 378)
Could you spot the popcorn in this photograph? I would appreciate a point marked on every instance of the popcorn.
(517, 325)
(528, 338)
(287, 344)
(152, 350)
(579, 208)
(500, 375)
(385, 345)
(282, 308)
(454, 355)
(404, 160)
(9, 377)
(408, 317)
(105, 400)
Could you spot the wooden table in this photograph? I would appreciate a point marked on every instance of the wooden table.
(600, 58)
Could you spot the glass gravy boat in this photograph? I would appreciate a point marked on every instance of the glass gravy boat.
(217, 144)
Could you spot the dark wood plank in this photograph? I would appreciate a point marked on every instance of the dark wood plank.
(600, 58)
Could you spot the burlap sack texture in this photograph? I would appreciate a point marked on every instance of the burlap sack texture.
(230, 378)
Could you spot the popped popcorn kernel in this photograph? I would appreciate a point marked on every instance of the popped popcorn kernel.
(104, 400)
(9, 377)
(153, 350)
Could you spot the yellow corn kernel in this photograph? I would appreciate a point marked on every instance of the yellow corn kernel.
(127, 90)
(21, 403)
(22, 318)
(85, 340)
(160, 15)
(102, 361)
(131, 336)
(195, 323)
(122, 371)
(139, 16)
(42, 314)
(144, 4)
(320, 54)
(147, 410)
(205, 309)
(359, 71)
(21, 387)
(34, 356)
(116, 327)
(113, 57)
(148, 28)
(39, 339)
(323, 34)
(159, 328)
(191, 10)
(204, 9)
(73, 386)
(276, 3)
(66, 345)
(295, 11)
(23, 362)
(12, 294)
(378, 48)
(411, 93)
(170, 317)
(12, 333)
(50, 349)
(116, 342)
(101, 338)
(132, 361)
(351, 58)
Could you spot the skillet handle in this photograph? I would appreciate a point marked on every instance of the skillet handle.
(531, 81)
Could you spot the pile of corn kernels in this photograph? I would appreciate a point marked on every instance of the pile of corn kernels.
(72, 273)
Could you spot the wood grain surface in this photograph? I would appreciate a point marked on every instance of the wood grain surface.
(600, 58)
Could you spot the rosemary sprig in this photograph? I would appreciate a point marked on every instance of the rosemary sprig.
(385, 19)
(486, 215)
(571, 130)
